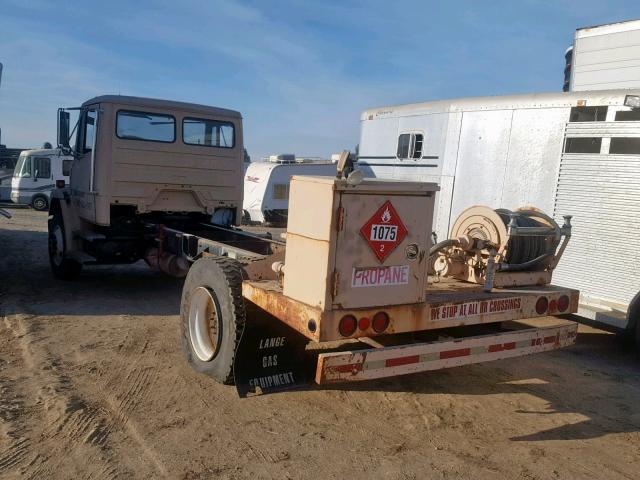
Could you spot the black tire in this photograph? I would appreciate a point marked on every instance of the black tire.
(221, 279)
(40, 203)
(62, 266)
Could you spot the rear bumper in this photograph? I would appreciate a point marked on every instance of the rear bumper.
(404, 359)
(464, 304)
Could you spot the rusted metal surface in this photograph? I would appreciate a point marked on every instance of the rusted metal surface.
(449, 304)
(261, 269)
(268, 295)
(404, 359)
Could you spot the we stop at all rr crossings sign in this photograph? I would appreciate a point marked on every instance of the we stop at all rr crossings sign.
(384, 231)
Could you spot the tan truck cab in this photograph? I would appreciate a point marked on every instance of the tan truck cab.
(139, 161)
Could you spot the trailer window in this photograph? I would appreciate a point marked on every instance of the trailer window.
(42, 167)
(410, 145)
(210, 133)
(66, 167)
(588, 114)
(625, 146)
(583, 145)
(281, 191)
(151, 127)
(628, 115)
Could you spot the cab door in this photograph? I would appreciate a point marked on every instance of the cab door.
(43, 180)
(82, 181)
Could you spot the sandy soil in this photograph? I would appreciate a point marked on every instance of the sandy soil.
(93, 385)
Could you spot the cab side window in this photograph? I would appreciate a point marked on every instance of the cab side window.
(42, 167)
(66, 167)
(89, 130)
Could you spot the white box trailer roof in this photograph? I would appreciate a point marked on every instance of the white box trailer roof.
(574, 153)
(266, 187)
(606, 56)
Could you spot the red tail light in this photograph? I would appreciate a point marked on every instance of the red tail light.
(541, 305)
(347, 325)
(364, 323)
(563, 303)
(553, 306)
(380, 322)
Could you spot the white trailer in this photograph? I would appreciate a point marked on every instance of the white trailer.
(266, 187)
(570, 153)
(606, 56)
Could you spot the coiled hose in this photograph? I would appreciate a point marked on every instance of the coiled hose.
(523, 252)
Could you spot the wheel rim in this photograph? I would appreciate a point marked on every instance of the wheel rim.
(57, 245)
(205, 327)
(38, 204)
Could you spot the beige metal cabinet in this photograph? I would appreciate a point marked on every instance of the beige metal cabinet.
(362, 245)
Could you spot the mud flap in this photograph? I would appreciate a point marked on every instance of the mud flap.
(271, 358)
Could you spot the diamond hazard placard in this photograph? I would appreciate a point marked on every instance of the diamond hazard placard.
(384, 231)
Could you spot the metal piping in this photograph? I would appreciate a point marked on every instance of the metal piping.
(451, 242)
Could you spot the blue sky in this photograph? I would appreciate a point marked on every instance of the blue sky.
(299, 71)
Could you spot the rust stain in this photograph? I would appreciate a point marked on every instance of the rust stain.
(403, 318)
(268, 296)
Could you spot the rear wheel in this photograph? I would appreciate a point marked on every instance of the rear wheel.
(62, 266)
(40, 203)
(212, 316)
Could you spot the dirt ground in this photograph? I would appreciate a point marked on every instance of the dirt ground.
(93, 385)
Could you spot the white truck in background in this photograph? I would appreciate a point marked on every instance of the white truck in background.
(36, 174)
(266, 186)
(575, 152)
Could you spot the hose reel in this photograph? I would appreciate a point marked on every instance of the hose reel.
(502, 247)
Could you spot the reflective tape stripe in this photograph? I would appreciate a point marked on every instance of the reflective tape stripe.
(390, 361)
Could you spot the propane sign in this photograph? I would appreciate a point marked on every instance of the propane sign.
(384, 231)
(380, 276)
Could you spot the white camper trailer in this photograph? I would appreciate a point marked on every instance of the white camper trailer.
(571, 153)
(266, 186)
(36, 174)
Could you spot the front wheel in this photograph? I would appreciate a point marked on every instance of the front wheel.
(40, 203)
(62, 266)
(212, 316)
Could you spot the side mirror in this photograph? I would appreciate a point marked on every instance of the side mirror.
(63, 128)
(342, 164)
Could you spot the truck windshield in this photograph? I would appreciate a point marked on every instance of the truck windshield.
(23, 167)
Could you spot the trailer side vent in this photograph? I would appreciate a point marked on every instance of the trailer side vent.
(628, 115)
(625, 146)
(588, 114)
(583, 145)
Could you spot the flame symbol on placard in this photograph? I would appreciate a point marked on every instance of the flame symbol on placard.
(386, 216)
